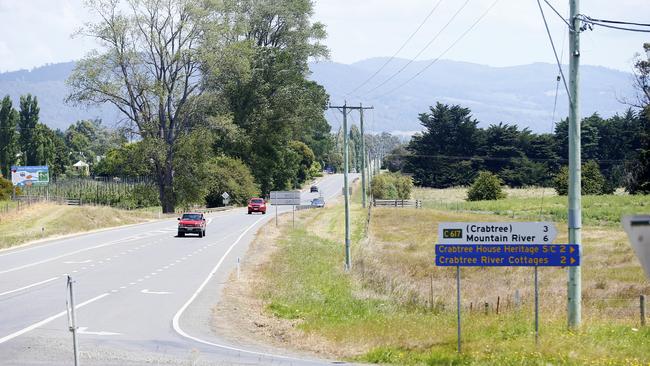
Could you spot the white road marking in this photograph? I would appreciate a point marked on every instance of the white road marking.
(48, 320)
(146, 291)
(78, 262)
(63, 256)
(28, 286)
(83, 330)
(177, 316)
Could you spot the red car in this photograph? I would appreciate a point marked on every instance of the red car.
(256, 205)
(191, 223)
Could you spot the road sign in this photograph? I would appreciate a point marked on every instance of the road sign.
(30, 175)
(507, 255)
(638, 230)
(285, 198)
(225, 195)
(496, 232)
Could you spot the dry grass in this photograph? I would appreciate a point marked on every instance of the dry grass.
(400, 255)
(46, 220)
(295, 294)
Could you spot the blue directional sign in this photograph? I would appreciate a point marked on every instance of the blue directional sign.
(507, 255)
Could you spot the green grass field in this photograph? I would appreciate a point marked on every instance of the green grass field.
(381, 312)
(538, 203)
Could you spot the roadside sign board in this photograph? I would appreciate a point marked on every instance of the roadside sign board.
(285, 198)
(496, 232)
(507, 255)
(225, 195)
(30, 175)
(638, 230)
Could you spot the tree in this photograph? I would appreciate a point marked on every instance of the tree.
(8, 136)
(442, 155)
(28, 120)
(638, 178)
(262, 79)
(487, 186)
(232, 176)
(593, 181)
(149, 69)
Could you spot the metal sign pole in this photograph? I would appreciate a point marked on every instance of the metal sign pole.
(72, 322)
(276, 215)
(293, 216)
(536, 308)
(458, 302)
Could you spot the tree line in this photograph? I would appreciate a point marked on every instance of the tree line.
(453, 149)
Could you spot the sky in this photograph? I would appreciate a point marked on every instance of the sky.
(37, 32)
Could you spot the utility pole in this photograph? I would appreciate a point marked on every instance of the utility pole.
(346, 190)
(574, 288)
(363, 156)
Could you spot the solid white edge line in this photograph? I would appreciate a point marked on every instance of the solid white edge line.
(28, 286)
(48, 320)
(177, 316)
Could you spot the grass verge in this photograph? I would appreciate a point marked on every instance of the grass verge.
(46, 220)
(395, 307)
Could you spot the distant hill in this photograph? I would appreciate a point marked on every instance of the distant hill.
(520, 94)
(47, 83)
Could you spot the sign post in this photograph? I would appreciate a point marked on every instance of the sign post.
(226, 198)
(285, 198)
(503, 244)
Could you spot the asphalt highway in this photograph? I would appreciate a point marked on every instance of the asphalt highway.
(142, 295)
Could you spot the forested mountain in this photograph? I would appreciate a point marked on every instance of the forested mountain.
(521, 95)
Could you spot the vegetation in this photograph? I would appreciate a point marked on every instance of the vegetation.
(453, 149)
(537, 203)
(46, 220)
(391, 186)
(383, 313)
(6, 189)
(592, 182)
(486, 187)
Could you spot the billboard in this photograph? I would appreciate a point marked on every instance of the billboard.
(30, 175)
(285, 198)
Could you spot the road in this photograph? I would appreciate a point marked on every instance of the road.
(143, 296)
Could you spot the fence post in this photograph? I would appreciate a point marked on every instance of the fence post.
(642, 309)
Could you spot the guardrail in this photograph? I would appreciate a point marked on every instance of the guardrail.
(397, 203)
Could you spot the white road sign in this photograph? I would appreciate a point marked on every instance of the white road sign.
(496, 232)
(225, 195)
(638, 229)
(285, 198)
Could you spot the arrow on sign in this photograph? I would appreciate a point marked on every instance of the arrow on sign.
(146, 291)
(572, 260)
(83, 330)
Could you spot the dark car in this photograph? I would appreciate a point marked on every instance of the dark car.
(318, 202)
(313, 189)
(256, 205)
(191, 223)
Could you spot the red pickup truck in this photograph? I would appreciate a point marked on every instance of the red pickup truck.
(191, 223)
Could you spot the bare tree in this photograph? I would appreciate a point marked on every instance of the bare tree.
(642, 78)
(149, 69)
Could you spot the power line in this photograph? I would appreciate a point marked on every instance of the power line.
(445, 51)
(617, 22)
(422, 50)
(592, 22)
(399, 50)
(557, 59)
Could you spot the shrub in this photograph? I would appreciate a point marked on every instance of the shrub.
(593, 181)
(486, 186)
(229, 175)
(391, 186)
(6, 189)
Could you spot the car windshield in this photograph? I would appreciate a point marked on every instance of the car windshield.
(317, 200)
(259, 200)
(194, 217)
